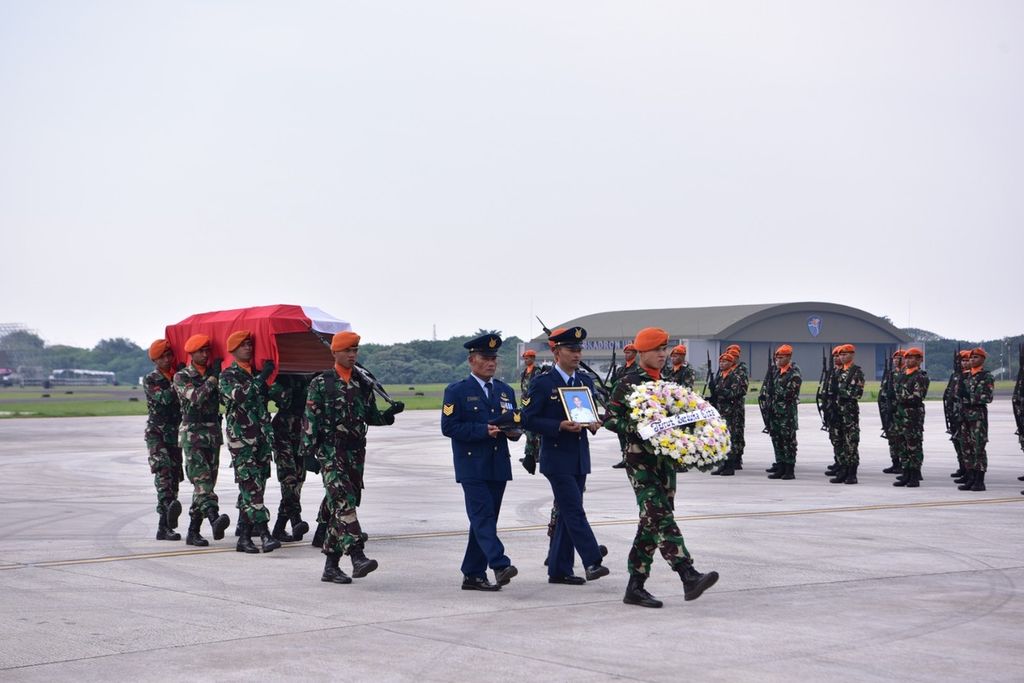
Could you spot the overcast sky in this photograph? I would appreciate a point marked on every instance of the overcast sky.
(470, 164)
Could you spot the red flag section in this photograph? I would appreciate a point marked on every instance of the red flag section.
(296, 338)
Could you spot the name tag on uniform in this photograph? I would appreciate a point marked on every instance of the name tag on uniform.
(472, 398)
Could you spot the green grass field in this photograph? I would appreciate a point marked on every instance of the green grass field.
(113, 401)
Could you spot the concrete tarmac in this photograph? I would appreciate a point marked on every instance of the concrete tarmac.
(818, 581)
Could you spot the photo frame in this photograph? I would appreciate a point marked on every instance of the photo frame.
(578, 404)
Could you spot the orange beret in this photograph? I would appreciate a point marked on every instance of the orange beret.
(979, 352)
(629, 347)
(966, 353)
(158, 348)
(529, 353)
(344, 340)
(847, 348)
(728, 356)
(837, 349)
(899, 353)
(914, 352)
(236, 338)
(732, 347)
(680, 349)
(196, 342)
(785, 350)
(650, 338)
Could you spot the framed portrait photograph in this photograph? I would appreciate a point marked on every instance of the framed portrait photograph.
(578, 404)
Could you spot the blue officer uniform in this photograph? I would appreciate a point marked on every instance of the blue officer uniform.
(482, 462)
(565, 462)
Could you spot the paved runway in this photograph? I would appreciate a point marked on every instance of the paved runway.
(819, 581)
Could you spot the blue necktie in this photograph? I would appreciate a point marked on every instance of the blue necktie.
(487, 389)
(572, 380)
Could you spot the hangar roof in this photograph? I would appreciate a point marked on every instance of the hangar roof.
(711, 322)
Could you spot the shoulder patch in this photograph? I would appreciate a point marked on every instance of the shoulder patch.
(448, 409)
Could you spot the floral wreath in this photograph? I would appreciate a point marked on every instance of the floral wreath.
(678, 424)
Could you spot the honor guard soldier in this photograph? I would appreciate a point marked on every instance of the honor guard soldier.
(470, 409)
(887, 409)
(250, 435)
(785, 396)
(565, 458)
(730, 399)
(200, 436)
(288, 392)
(530, 372)
(911, 388)
(162, 425)
(653, 479)
(681, 372)
(739, 441)
(629, 354)
(340, 405)
(849, 388)
(976, 393)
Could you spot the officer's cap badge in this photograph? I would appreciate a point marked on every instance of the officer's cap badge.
(448, 409)
(578, 333)
(492, 342)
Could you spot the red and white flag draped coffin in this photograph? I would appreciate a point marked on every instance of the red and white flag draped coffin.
(296, 338)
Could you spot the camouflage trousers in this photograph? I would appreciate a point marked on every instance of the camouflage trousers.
(251, 463)
(165, 466)
(836, 439)
(784, 440)
(910, 441)
(975, 437)
(343, 489)
(653, 481)
(201, 465)
(893, 434)
(735, 420)
(291, 474)
(958, 441)
(532, 445)
(848, 426)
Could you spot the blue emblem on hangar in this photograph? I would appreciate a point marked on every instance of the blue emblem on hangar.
(814, 325)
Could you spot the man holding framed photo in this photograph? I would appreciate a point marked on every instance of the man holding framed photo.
(565, 455)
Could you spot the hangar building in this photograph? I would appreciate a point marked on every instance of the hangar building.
(808, 327)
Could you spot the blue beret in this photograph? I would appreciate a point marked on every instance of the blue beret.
(486, 344)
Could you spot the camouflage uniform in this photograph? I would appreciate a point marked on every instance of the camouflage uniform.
(739, 440)
(200, 436)
(532, 449)
(976, 394)
(830, 397)
(1018, 406)
(849, 390)
(886, 410)
(730, 399)
(784, 421)
(249, 437)
(162, 438)
(653, 479)
(683, 375)
(908, 417)
(334, 429)
(288, 393)
(954, 416)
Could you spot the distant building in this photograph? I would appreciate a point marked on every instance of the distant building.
(809, 327)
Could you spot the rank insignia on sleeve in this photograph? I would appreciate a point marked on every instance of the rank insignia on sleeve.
(448, 409)
(526, 401)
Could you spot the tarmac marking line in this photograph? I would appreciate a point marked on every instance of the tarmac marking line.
(532, 527)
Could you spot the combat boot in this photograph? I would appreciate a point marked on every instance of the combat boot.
(915, 478)
(319, 535)
(778, 471)
(621, 464)
(637, 595)
(789, 471)
(173, 511)
(903, 478)
(851, 475)
(774, 468)
(332, 572)
(299, 528)
(267, 542)
(739, 462)
(218, 523)
(728, 469)
(893, 469)
(963, 478)
(193, 537)
(832, 469)
(968, 481)
(979, 482)
(245, 544)
(280, 533)
(695, 583)
(361, 564)
(163, 533)
(840, 476)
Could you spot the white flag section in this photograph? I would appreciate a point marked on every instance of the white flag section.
(651, 429)
(324, 322)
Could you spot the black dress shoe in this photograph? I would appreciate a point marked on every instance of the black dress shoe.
(478, 583)
(505, 574)
(567, 580)
(596, 571)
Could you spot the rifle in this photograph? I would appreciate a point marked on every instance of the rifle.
(764, 400)
(883, 399)
(950, 402)
(378, 388)
(611, 369)
(820, 398)
(602, 392)
(709, 384)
